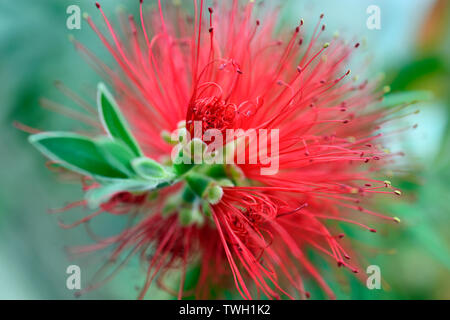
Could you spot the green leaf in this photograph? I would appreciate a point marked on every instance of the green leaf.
(182, 163)
(198, 183)
(100, 195)
(76, 153)
(150, 169)
(113, 120)
(407, 97)
(117, 154)
(411, 73)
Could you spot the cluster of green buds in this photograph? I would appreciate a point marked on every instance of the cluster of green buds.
(118, 164)
(193, 202)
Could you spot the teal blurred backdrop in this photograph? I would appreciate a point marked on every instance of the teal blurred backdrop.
(412, 49)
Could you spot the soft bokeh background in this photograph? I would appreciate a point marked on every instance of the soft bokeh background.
(412, 49)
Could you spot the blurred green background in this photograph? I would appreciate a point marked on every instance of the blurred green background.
(411, 48)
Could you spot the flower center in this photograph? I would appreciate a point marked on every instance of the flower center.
(213, 113)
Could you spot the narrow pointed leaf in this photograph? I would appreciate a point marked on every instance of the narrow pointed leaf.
(113, 120)
(117, 154)
(76, 153)
(95, 197)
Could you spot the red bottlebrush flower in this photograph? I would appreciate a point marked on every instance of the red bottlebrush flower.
(227, 70)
